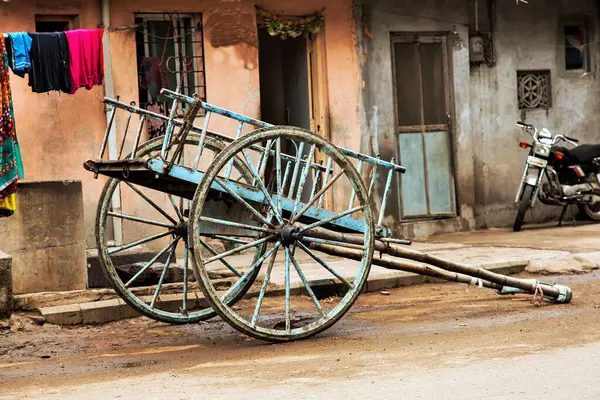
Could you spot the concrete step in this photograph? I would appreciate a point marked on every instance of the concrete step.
(103, 311)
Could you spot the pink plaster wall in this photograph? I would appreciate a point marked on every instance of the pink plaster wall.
(58, 132)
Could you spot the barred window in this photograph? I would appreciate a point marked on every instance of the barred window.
(170, 54)
(534, 90)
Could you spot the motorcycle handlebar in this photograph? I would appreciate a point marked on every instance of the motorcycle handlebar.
(572, 139)
(524, 125)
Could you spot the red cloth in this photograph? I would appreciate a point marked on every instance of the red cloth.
(87, 57)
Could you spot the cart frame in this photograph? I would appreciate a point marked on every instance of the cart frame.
(285, 221)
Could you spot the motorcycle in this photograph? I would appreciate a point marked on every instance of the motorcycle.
(572, 175)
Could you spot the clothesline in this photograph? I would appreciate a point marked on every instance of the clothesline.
(57, 61)
(62, 61)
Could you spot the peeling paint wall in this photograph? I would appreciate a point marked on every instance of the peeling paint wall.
(528, 37)
(488, 162)
(383, 18)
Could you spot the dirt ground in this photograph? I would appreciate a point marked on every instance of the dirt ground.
(420, 328)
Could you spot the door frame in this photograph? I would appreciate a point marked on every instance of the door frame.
(445, 39)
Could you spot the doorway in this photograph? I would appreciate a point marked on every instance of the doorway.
(284, 81)
(423, 125)
(291, 88)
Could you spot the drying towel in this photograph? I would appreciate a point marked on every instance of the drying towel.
(21, 46)
(87, 58)
(49, 62)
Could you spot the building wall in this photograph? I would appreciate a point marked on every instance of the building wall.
(527, 36)
(377, 100)
(58, 132)
(488, 162)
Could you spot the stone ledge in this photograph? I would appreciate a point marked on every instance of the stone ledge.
(103, 311)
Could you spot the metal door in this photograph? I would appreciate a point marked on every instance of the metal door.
(423, 126)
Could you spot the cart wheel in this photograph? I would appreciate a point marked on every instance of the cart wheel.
(160, 287)
(288, 199)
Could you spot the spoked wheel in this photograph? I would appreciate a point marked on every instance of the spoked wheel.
(161, 284)
(591, 210)
(288, 198)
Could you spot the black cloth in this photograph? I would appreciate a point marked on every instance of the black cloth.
(49, 62)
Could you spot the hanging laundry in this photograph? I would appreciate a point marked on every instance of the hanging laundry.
(11, 57)
(19, 61)
(152, 77)
(11, 166)
(49, 62)
(86, 58)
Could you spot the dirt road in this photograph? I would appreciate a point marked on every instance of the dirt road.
(422, 342)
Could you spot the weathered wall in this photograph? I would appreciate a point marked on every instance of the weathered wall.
(58, 131)
(527, 36)
(6, 294)
(382, 18)
(46, 238)
(488, 162)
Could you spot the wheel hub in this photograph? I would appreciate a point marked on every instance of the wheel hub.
(182, 229)
(288, 235)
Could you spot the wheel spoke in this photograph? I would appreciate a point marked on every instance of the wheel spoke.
(141, 241)
(224, 262)
(307, 287)
(286, 175)
(332, 218)
(139, 219)
(244, 202)
(151, 262)
(227, 238)
(278, 173)
(331, 242)
(239, 249)
(324, 265)
(186, 257)
(263, 288)
(153, 204)
(316, 197)
(326, 178)
(177, 211)
(288, 323)
(250, 272)
(262, 187)
(163, 274)
(299, 151)
(237, 225)
(303, 178)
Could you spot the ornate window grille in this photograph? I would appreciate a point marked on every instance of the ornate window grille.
(534, 90)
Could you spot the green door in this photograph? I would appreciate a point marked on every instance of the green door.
(423, 126)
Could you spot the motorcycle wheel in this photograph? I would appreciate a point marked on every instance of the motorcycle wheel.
(523, 206)
(592, 211)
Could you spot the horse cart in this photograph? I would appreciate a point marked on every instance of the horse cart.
(272, 228)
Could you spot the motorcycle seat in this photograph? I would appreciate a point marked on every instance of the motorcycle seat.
(583, 154)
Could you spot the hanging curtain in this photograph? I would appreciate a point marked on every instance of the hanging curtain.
(11, 166)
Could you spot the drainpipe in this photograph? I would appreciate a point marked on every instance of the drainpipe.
(109, 91)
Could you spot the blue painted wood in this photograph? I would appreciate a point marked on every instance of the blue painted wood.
(414, 198)
(255, 195)
(439, 180)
